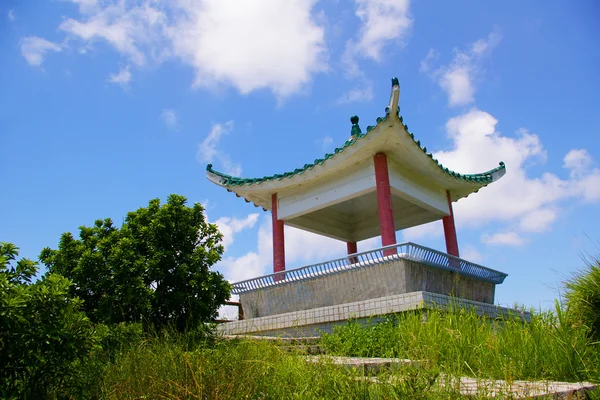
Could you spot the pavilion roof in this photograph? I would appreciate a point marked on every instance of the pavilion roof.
(242, 186)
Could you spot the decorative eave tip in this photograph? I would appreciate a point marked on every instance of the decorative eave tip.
(394, 100)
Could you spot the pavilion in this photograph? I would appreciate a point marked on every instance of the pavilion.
(376, 183)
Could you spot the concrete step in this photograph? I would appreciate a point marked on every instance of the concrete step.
(304, 349)
(280, 341)
(369, 365)
(467, 386)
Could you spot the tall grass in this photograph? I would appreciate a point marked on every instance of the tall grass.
(448, 344)
(251, 370)
(583, 298)
(131, 364)
(462, 343)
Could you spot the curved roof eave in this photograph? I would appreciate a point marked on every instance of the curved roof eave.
(280, 181)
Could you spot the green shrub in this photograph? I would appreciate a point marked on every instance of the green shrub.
(43, 335)
(583, 298)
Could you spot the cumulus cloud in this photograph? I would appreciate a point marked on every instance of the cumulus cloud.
(458, 79)
(34, 49)
(249, 45)
(230, 226)
(121, 78)
(209, 152)
(382, 22)
(529, 203)
(506, 239)
(578, 161)
(169, 117)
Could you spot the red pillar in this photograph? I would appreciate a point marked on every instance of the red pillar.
(450, 230)
(352, 249)
(384, 202)
(278, 239)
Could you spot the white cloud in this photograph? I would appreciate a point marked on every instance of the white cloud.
(229, 226)
(134, 31)
(121, 78)
(457, 82)
(538, 220)
(170, 119)
(432, 229)
(503, 239)
(578, 161)
(382, 21)
(208, 151)
(250, 45)
(588, 186)
(458, 78)
(361, 93)
(470, 253)
(10, 15)
(431, 57)
(34, 49)
(325, 143)
(87, 6)
(518, 200)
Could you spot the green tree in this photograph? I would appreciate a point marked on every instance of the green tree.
(43, 334)
(155, 268)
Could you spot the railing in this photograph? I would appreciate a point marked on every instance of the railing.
(407, 251)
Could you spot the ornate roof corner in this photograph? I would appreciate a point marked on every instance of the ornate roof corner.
(498, 172)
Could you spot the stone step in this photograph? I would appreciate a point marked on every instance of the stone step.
(303, 349)
(370, 365)
(280, 341)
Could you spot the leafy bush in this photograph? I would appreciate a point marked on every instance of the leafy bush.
(155, 269)
(583, 298)
(43, 334)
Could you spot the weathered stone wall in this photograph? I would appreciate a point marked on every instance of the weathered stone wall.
(386, 279)
(421, 277)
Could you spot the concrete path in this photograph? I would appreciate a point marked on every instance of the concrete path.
(470, 386)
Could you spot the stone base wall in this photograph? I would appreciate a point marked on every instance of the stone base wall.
(386, 279)
(323, 319)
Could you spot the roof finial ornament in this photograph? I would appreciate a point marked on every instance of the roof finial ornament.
(394, 99)
(355, 132)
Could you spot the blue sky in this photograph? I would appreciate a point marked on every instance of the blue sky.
(106, 105)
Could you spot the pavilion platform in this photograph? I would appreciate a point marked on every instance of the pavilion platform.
(365, 287)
